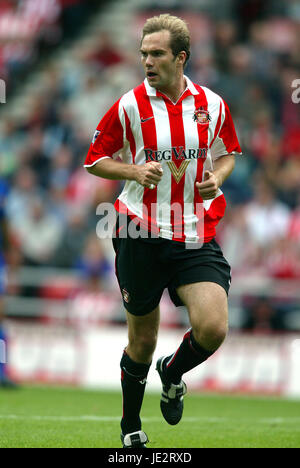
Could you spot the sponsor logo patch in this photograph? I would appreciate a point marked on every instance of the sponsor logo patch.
(178, 171)
(175, 153)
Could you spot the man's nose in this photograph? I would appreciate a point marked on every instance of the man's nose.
(149, 61)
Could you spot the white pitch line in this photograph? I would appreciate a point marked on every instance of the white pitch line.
(280, 420)
(276, 420)
(98, 418)
(61, 418)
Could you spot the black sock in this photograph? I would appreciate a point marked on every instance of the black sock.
(133, 382)
(189, 355)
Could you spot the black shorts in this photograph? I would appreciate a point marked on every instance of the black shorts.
(145, 267)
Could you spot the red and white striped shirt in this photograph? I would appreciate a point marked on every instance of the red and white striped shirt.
(185, 137)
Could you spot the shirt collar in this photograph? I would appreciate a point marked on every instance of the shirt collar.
(190, 86)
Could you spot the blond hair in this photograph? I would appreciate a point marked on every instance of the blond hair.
(180, 35)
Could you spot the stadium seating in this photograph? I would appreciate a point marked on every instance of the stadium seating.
(48, 122)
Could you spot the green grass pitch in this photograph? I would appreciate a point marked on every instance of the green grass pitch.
(41, 417)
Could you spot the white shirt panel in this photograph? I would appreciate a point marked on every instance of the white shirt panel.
(163, 134)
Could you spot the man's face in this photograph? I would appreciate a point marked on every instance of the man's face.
(160, 65)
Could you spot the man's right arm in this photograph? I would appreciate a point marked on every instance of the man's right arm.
(146, 174)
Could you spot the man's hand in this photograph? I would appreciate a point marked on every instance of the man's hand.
(223, 167)
(149, 174)
(209, 186)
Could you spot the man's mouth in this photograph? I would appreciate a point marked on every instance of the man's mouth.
(151, 74)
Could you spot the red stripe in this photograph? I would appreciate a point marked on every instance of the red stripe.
(150, 141)
(171, 362)
(213, 215)
(130, 137)
(217, 126)
(177, 189)
(228, 133)
(186, 336)
(200, 100)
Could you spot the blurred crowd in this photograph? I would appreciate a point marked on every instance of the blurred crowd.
(250, 56)
(29, 27)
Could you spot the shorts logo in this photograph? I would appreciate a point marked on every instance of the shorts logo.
(201, 116)
(96, 134)
(125, 295)
(178, 171)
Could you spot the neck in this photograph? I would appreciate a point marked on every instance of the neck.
(175, 91)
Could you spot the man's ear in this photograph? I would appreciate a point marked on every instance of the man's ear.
(181, 57)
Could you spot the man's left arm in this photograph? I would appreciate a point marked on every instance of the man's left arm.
(212, 181)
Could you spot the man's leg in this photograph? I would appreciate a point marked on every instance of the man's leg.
(207, 306)
(135, 365)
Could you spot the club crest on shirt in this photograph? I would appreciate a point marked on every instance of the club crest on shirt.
(201, 116)
(96, 134)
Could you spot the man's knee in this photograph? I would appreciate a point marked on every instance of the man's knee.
(142, 335)
(143, 345)
(210, 333)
